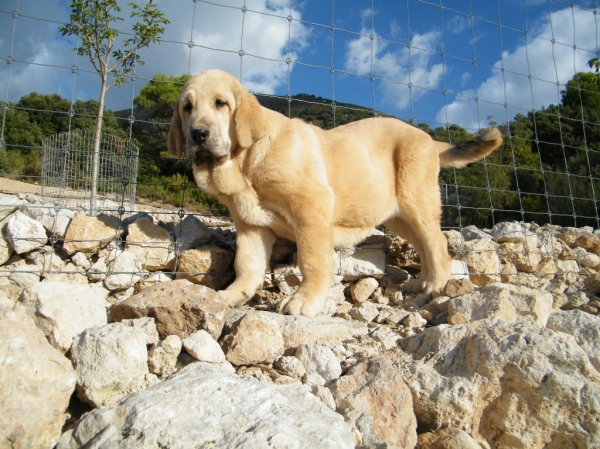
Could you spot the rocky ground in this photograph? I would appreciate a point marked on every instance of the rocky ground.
(112, 334)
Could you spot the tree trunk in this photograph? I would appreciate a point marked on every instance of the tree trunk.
(96, 154)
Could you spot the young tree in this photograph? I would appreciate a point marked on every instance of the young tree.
(92, 21)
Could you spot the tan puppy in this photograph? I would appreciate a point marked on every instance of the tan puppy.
(321, 189)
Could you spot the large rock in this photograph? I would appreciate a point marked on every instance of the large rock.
(320, 360)
(36, 383)
(63, 311)
(207, 265)
(25, 275)
(585, 259)
(505, 301)
(366, 312)
(585, 328)
(514, 232)
(203, 406)
(190, 233)
(203, 347)
(507, 385)
(70, 273)
(178, 308)
(471, 232)
(355, 263)
(523, 255)
(90, 234)
(297, 330)
(8, 204)
(257, 338)
(110, 361)
(54, 219)
(47, 260)
(550, 247)
(589, 242)
(124, 271)
(25, 234)
(567, 270)
(363, 288)
(151, 244)
(483, 262)
(375, 400)
(5, 246)
(592, 283)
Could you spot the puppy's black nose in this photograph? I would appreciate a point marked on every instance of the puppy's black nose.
(199, 135)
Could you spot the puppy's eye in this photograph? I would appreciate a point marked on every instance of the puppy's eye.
(220, 103)
(187, 107)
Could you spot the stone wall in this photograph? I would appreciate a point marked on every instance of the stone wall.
(112, 334)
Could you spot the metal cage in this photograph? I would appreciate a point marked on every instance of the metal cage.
(67, 168)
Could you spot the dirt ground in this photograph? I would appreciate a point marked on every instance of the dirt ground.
(12, 186)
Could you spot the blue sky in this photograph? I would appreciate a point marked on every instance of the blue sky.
(459, 63)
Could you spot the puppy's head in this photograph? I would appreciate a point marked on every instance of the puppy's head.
(213, 115)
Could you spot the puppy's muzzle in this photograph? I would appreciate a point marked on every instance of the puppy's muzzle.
(199, 135)
(199, 150)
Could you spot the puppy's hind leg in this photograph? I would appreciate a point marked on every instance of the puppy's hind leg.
(420, 225)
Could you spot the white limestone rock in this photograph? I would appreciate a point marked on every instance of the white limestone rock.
(365, 312)
(63, 311)
(111, 362)
(471, 232)
(321, 360)
(229, 411)
(355, 263)
(290, 366)
(89, 234)
(504, 301)
(25, 275)
(123, 272)
(203, 347)
(505, 384)
(483, 261)
(585, 328)
(376, 401)
(81, 260)
(36, 383)
(147, 326)
(25, 234)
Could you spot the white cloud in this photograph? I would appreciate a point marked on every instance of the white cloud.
(218, 27)
(398, 64)
(547, 64)
(263, 38)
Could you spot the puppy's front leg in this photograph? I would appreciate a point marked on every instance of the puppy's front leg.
(315, 260)
(254, 245)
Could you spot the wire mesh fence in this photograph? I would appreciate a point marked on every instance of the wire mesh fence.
(449, 67)
(67, 168)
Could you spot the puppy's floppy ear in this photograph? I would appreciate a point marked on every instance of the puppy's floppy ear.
(175, 141)
(249, 120)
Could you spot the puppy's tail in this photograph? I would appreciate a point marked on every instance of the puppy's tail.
(460, 155)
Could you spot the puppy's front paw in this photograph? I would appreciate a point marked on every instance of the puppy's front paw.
(232, 298)
(425, 286)
(298, 304)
